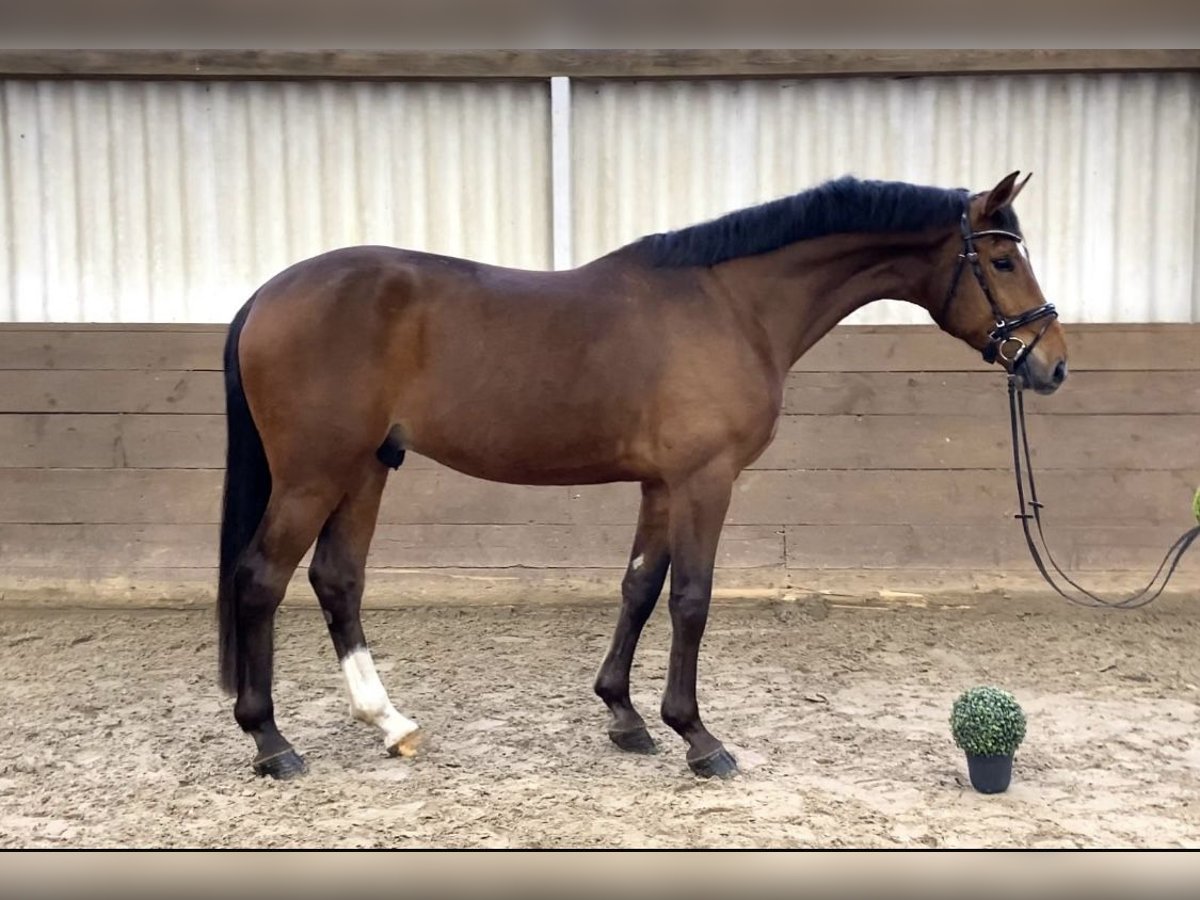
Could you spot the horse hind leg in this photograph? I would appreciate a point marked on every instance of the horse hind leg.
(640, 590)
(337, 574)
(288, 527)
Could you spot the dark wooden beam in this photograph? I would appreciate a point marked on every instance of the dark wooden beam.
(540, 64)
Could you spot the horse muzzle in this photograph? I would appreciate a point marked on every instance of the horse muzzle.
(1039, 374)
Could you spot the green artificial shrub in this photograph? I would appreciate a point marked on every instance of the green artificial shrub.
(987, 721)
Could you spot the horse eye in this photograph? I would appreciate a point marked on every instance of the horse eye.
(1003, 263)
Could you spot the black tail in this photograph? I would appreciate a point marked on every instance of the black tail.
(247, 490)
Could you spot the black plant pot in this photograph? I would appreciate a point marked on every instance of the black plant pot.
(990, 774)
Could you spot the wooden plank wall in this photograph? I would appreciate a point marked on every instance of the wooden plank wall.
(890, 471)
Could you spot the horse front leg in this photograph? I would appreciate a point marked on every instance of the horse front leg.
(643, 582)
(698, 505)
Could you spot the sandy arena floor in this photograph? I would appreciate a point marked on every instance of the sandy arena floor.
(115, 733)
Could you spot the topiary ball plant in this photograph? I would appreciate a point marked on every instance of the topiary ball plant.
(989, 725)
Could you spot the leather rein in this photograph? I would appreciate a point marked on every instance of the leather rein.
(1004, 345)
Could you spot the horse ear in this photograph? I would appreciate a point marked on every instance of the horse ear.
(1004, 193)
(1020, 187)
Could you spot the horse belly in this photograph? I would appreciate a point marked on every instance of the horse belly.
(565, 441)
(517, 462)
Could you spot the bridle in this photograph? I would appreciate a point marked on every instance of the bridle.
(1005, 346)
(1001, 339)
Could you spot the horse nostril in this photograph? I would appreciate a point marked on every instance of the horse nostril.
(1060, 372)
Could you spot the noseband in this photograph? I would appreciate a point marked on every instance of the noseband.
(1002, 344)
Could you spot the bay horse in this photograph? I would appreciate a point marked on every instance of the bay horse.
(662, 362)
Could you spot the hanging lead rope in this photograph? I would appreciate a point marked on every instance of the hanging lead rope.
(1031, 511)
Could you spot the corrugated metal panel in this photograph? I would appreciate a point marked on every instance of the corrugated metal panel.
(172, 201)
(1111, 214)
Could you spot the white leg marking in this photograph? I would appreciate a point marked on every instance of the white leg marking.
(369, 702)
(637, 562)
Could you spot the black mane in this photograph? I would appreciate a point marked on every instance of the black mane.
(836, 207)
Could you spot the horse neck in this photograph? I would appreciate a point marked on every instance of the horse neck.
(801, 291)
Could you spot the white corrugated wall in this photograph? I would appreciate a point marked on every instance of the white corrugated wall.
(1111, 213)
(171, 201)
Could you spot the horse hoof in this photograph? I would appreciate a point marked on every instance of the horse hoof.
(282, 766)
(408, 745)
(720, 764)
(636, 740)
